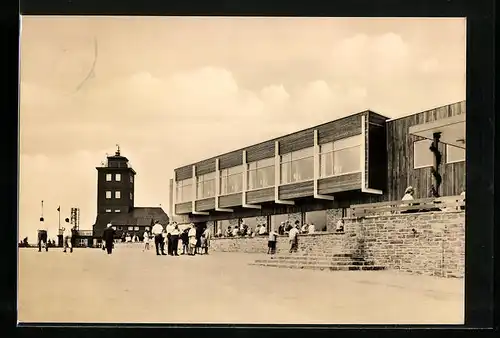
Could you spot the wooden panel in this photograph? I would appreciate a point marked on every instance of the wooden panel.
(377, 157)
(296, 190)
(183, 208)
(400, 156)
(339, 183)
(375, 118)
(205, 204)
(205, 167)
(184, 173)
(453, 178)
(230, 200)
(339, 129)
(231, 159)
(260, 151)
(261, 195)
(297, 141)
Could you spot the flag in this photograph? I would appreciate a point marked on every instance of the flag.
(59, 208)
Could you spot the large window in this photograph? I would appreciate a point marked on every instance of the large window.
(297, 166)
(184, 190)
(318, 218)
(231, 180)
(108, 194)
(118, 194)
(261, 174)
(108, 177)
(340, 157)
(454, 154)
(118, 177)
(205, 186)
(422, 156)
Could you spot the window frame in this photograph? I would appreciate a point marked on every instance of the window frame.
(259, 165)
(332, 152)
(109, 210)
(118, 177)
(131, 178)
(414, 149)
(110, 194)
(109, 177)
(288, 159)
(179, 186)
(131, 196)
(118, 194)
(225, 175)
(202, 180)
(448, 146)
(117, 211)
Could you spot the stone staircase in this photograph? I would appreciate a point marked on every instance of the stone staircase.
(332, 260)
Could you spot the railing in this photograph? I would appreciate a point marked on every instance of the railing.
(418, 205)
(81, 232)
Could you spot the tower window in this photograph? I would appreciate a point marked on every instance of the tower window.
(118, 194)
(118, 177)
(117, 210)
(108, 177)
(108, 194)
(131, 196)
(131, 179)
(108, 210)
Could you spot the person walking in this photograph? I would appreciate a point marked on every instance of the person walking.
(146, 240)
(157, 232)
(108, 237)
(185, 241)
(192, 240)
(293, 235)
(174, 239)
(271, 243)
(67, 236)
(208, 236)
(42, 236)
(169, 229)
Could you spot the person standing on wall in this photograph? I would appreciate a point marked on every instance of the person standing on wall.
(42, 235)
(293, 235)
(108, 237)
(157, 232)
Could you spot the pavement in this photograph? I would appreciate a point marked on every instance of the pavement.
(132, 286)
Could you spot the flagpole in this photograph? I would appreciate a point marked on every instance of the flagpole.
(59, 211)
(42, 208)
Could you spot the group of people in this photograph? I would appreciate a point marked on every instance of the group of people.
(68, 233)
(195, 240)
(413, 207)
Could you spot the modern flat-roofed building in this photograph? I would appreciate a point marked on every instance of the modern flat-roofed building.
(316, 174)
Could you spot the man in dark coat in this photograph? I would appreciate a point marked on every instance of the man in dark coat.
(108, 237)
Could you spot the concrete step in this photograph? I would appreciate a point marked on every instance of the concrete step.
(315, 257)
(313, 262)
(322, 267)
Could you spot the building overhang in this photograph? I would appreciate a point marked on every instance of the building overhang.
(452, 130)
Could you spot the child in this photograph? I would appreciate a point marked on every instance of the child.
(146, 241)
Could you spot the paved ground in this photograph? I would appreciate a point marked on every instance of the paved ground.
(139, 287)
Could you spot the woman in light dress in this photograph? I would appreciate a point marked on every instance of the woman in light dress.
(192, 240)
(146, 240)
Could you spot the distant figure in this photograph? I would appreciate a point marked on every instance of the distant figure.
(304, 228)
(236, 231)
(340, 226)
(219, 232)
(228, 232)
(408, 196)
(271, 243)
(42, 236)
(146, 240)
(128, 238)
(192, 240)
(311, 228)
(170, 227)
(174, 240)
(262, 230)
(67, 236)
(108, 237)
(281, 229)
(462, 194)
(288, 226)
(157, 231)
(208, 236)
(185, 241)
(293, 236)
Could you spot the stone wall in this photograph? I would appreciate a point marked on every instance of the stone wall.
(430, 243)
(332, 217)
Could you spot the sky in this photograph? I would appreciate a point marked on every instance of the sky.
(171, 91)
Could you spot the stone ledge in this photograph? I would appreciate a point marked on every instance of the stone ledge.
(323, 233)
(430, 213)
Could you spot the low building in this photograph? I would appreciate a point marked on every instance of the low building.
(316, 174)
(115, 201)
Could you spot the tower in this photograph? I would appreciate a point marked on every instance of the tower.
(115, 185)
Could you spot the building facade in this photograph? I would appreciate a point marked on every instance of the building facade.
(115, 200)
(316, 174)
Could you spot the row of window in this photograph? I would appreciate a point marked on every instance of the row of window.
(118, 178)
(116, 210)
(118, 194)
(423, 157)
(336, 158)
(130, 228)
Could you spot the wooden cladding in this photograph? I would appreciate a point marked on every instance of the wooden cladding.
(339, 183)
(296, 190)
(205, 204)
(205, 167)
(183, 208)
(339, 129)
(377, 119)
(260, 151)
(184, 173)
(232, 200)
(231, 159)
(301, 140)
(401, 172)
(260, 196)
